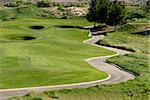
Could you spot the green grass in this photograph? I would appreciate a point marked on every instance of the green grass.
(144, 21)
(125, 38)
(55, 57)
(137, 63)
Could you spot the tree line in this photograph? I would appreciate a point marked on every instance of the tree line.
(106, 12)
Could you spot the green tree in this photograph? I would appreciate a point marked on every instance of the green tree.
(102, 10)
(106, 12)
(92, 14)
(116, 13)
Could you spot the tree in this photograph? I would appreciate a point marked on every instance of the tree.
(92, 14)
(102, 10)
(116, 13)
(106, 12)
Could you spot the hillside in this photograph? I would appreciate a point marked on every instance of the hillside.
(70, 1)
(3, 1)
(48, 0)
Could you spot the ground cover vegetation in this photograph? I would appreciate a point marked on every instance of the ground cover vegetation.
(34, 38)
(36, 57)
(44, 9)
(136, 63)
(126, 36)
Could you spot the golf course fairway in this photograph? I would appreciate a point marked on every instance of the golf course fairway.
(52, 55)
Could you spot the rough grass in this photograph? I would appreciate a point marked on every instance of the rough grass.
(125, 38)
(56, 56)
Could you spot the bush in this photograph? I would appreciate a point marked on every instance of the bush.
(138, 14)
(52, 94)
(10, 5)
(62, 17)
(18, 3)
(146, 8)
(99, 28)
(36, 98)
(126, 27)
(60, 7)
(43, 3)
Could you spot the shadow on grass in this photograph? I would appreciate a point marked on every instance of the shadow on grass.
(68, 26)
(146, 32)
(118, 47)
(37, 27)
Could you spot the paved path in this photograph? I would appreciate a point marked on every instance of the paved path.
(115, 75)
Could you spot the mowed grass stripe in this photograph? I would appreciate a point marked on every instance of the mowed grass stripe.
(55, 57)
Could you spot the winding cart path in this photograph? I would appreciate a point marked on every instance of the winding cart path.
(116, 75)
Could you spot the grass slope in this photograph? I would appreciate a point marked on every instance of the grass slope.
(137, 62)
(55, 57)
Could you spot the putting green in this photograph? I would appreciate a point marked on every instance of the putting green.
(55, 55)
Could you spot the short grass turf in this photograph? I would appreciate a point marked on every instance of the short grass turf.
(56, 56)
(137, 63)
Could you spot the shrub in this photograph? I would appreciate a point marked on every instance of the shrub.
(43, 3)
(52, 94)
(146, 7)
(126, 27)
(36, 98)
(18, 3)
(137, 14)
(60, 7)
(10, 4)
(62, 17)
